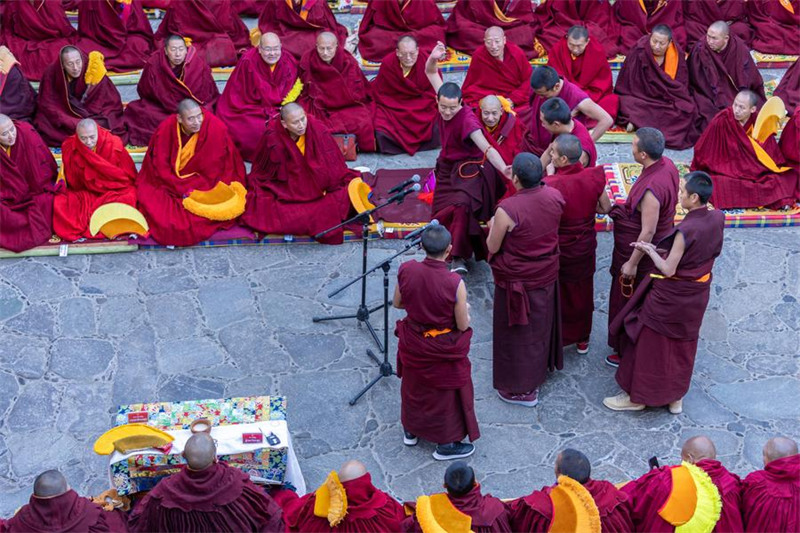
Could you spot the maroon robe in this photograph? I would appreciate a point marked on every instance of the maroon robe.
(771, 497)
(790, 140)
(470, 19)
(698, 15)
(788, 89)
(527, 317)
(577, 239)
(65, 513)
(217, 498)
(649, 96)
(635, 22)
(556, 17)
(488, 514)
(292, 193)
(27, 175)
(730, 490)
(299, 35)
(507, 137)
(436, 395)
(539, 138)
(386, 21)
(661, 179)
(121, 32)
(647, 495)
(775, 26)
(17, 97)
(162, 87)
(509, 78)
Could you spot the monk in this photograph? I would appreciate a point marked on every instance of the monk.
(584, 192)
(771, 497)
(298, 184)
(471, 18)
(34, 31)
(557, 120)
(119, 30)
(72, 89)
(206, 495)
(367, 508)
(790, 140)
(698, 15)
(647, 215)
(653, 89)
(535, 512)
(558, 17)
(748, 170)
(503, 129)
(775, 24)
(263, 80)
(405, 102)
(17, 97)
(190, 151)
(498, 68)
(97, 171)
(170, 75)
(788, 89)
(579, 60)
(28, 173)
(336, 92)
(719, 67)
(297, 23)
(637, 18)
(385, 22)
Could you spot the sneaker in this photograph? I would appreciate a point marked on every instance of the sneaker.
(454, 450)
(582, 347)
(676, 407)
(526, 400)
(613, 360)
(409, 439)
(459, 266)
(622, 402)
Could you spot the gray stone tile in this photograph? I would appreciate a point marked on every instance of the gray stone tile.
(10, 302)
(312, 351)
(34, 408)
(180, 356)
(166, 280)
(119, 314)
(26, 357)
(761, 399)
(182, 388)
(173, 316)
(37, 320)
(226, 301)
(252, 351)
(111, 284)
(81, 359)
(76, 317)
(38, 282)
(8, 391)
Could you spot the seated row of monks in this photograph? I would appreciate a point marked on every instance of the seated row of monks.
(207, 495)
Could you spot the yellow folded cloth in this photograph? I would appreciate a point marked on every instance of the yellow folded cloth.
(96, 69)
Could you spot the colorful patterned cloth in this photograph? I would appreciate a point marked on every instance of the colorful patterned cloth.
(179, 415)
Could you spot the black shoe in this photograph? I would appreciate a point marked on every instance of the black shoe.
(409, 439)
(454, 450)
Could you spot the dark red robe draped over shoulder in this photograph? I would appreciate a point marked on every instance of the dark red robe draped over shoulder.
(698, 15)
(771, 497)
(788, 89)
(556, 17)
(470, 19)
(17, 97)
(647, 495)
(298, 35)
(730, 490)
(67, 513)
(509, 78)
(120, 31)
(507, 137)
(488, 514)
(590, 72)
(790, 140)
(638, 17)
(775, 24)
(386, 21)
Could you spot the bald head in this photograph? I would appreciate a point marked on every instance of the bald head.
(778, 448)
(327, 43)
(721, 26)
(86, 130)
(491, 110)
(200, 451)
(352, 470)
(8, 132)
(293, 118)
(698, 448)
(269, 48)
(494, 38)
(50, 484)
(718, 35)
(190, 116)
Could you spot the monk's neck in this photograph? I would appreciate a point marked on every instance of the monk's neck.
(659, 59)
(647, 163)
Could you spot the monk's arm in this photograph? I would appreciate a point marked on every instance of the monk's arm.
(604, 203)
(649, 208)
(501, 224)
(545, 157)
(492, 154)
(432, 66)
(604, 121)
(397, 301)
(667, 266)
(462, 307)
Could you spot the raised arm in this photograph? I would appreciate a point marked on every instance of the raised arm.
(492, 154)
(604, 121)
(432, 66)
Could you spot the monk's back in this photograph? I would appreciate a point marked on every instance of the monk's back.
(428, 289)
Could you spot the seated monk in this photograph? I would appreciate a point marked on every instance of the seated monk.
(17, 97)
(336, 92)
(170, 75)
(498, 68)
(579, 60)
(405, 103)
(74, 88)
(28, 173)
(298, 184)
(746, 166)
(504, 130)
(297, 23)
(470, 19)
(637, 18)
(771, 497)
(698, 15)
(366, 509)
(385, 22)
(719, 67)
(775, 24)
(34, 31)
(790, 140)
(206, 495)
(190, 151)
(97, 170)
(555, 117)
(653, 89)
(118, 30)
(788, 89)
(557, 17)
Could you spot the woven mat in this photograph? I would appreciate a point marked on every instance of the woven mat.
(359, 7)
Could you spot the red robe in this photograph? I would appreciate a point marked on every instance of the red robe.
(539, 138)
(217, 498)
(647, 495)
(790, 140)
(788, 89)
(63, 103)
(296, 193)
(470, 19)
(338, 94)
(730, 490)
(17, 97)
(590, 72)
(26, 203)
(121, 32)
(162, 87)
(252, 96)
(160, 190)
(775, 26)
(35, 32)
(507, 138)
(298, 35)
(66, 513)
(740, 179)
(556, 17)
(577, 238)
(488, 514)
(771, 497)
(510, 78)
(386, 21)
(638, 18)
(368, 510)
(698, 15)
(94, 178)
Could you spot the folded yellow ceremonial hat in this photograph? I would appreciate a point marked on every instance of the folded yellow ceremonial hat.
(574, 509)
(115, 218)
(223, 202)
(769, 119)
(330, 500)
(437, 514)
(130, 437)
(96, 68)
(359, 195)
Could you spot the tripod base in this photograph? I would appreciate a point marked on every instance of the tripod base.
(362, 315)
(384, 371)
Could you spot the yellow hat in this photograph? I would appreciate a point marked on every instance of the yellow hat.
(359, 195)
(115, 218)
(437, 514)
(574, 509)
(769, 119)
(130, 437)
(96, 68)
(694, 504)
(223, 202)
(330, 500)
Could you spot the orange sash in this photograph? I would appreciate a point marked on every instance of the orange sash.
(500, 15)
(671, 61)
(185, 153)
(787, 5)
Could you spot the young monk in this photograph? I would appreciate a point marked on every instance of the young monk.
(297, 23)
(386, 22)
(638, 18)
(503, 129)
(554, 115)
(558, 18)
(119, 30)
(17, 96)
(470, 19)
(771, 497)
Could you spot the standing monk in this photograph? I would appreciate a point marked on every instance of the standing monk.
(558, 17)
(387, 21)
(638, 18)
(557, 120)
(699, 14)
(471, 18)
(17, 97)
(297, 23)
(119, 30)
(771, 497)
(523, 243)
(503, 129)
(499, 68)
(775, 24)
(436, 395)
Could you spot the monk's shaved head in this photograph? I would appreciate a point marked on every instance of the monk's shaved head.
(187, 104)
(491, 110)
(327, 44)
(72, 61)
(459, 478)
(8, 131)
(407, 52)
(491, 101)
(578, 32)
(269, 48)
(663, 29)
(174, 39)
(569, 146)
(4, 120)
(290, 108)
(573, 464)
(294, 120)
(176, 49)
(407, 40)
(494, 31)
(200, 451)
(49, 484)
(720, 26)
(86, 124)
(86, 130)
(352, 470)
(778, 448)
(494, 39)
(750, 96)
(270, 39)
(698, 448)
(190, 116)
(744, 106)
(717, 36)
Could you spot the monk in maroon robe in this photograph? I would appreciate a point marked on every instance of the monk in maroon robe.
(771, 497)
(336, 92)
(775, 24)
(297, 23)
(653, 89)
(584, 191)
(788, 89)
(790, 140)
(35, 31)
(556, 119)
(498, 68)
(170, 75)
(471, 18)
(385, 22)
(17, 97)
(71, 91)
(579, 60)
(436, 394)
(263, 80)
(298, 184)
(504, 131)
(557, 17)
(190, 151)
(637, 18)
(119, 30)
(28, 173)
(207, 496)
(698, 15)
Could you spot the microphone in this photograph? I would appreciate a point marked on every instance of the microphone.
(409, 181)
(399, 197)
(418, 232)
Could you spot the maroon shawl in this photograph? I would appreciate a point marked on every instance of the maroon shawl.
(470, 19)
(65, 513)
(698, 15)
(556, 17)
(386, 21)
(774, 26)
(788, 89)
(730, 490)
(17, 97)
(590, 72)
(121, 32)
(488, 514)
(771, 497)
(510, 78)
(635, 22)
(539, 138)
(647, 495)
(298, 36)
(790, 140)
